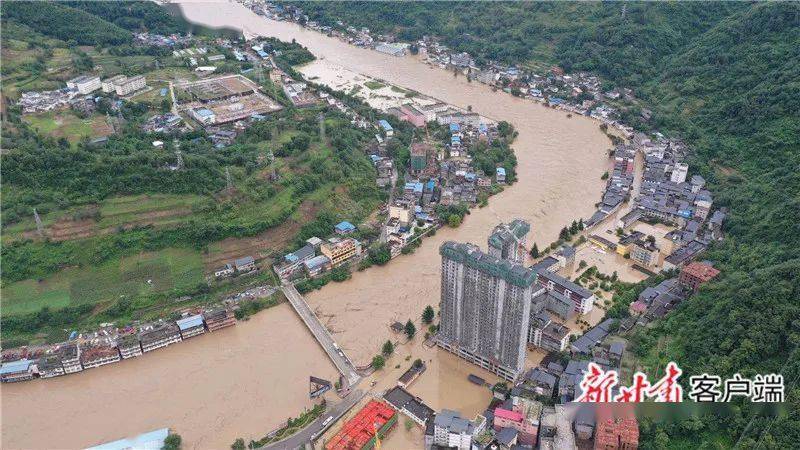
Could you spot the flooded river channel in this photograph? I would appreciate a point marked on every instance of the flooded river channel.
(246, 380)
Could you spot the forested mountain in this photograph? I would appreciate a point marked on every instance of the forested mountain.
(726, 77)
(93, 23)
(63, 22)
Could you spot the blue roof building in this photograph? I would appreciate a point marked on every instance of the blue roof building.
(190, 322)
(385, 125)
(15, 366)
(344, 227)
(501, 172)
(430, 185)
(455, 128)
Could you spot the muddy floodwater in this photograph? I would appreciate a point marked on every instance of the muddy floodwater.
(246, 380)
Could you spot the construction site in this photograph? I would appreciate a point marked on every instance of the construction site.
(225, 99)
(364, 430)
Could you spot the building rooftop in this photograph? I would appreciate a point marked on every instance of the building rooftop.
(344, 226)
(704, 272)
(190, 322)
(472, 256)
(21, 365)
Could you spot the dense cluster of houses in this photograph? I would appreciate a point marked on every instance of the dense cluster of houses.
(515, 419)
(317, 256)
(108, 345)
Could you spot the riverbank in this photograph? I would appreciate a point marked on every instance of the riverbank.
(245, 380)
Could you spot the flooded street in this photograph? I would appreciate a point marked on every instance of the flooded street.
(244, 381)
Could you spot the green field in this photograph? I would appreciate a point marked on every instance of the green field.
(132, 276)
(68, 125)
(121, 210)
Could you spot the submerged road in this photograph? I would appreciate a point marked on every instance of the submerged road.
(335, 353)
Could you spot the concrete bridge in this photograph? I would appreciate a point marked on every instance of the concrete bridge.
(335, 353)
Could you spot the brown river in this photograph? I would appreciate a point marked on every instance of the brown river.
(244, 381)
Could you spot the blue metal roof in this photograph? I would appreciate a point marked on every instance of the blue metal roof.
(205, 112)
(152, 440)
(190, 322)
(454, 127)
(501, 171)
(345, 226)
(317, 261)
(386, 126)
(15, 366)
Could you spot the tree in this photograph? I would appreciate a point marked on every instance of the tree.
(238, 444)
(454, 220)
(378, 361)
(417, 363)
(535, 251)
(428, 314)
(172, 442)
(564, 234)
(573, 228)
(388, 348)
(580, 224)
(410, 329)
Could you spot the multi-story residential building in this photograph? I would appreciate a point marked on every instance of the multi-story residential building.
(129, 85)
(340, 250)
(219, 318)
(549, 335)
(509, 241)
(645, 253)
(582, 298)
(50, 366)
(523, 416)
(697, 273)
(71, 358)
(317, 265)
(14, 371)
(129, 346)
(161, 335)
(449, 430)
(679, 172)
(485, 308)
(109, 84)
(84, 84)
(96, 356)
(191, 326)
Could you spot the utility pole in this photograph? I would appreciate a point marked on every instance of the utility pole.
(39, 227)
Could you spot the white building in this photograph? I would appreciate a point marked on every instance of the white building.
(450, 430)
(84, 84)
(679, 172)
(128, 85)
(109, 84)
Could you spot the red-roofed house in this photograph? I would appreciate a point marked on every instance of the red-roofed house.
(697, 273)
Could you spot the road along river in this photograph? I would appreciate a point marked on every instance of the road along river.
(246, 380)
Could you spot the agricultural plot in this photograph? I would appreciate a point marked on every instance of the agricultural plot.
(132, 276)
(66, 124)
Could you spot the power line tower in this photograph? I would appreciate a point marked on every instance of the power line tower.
(624, 10)
(39, 227)
(179, 155)
(228, 179)
(321, 118)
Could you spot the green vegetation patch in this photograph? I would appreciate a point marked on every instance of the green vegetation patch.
(142, 274)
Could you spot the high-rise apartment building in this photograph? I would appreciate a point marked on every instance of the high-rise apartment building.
(509, 241)
(485, 308)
